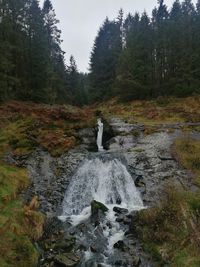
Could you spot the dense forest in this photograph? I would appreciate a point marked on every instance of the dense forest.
(134, 57)
(32, 65)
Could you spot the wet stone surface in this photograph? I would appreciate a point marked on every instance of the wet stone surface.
(151, 165)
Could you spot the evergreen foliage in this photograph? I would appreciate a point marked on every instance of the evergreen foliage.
(135, 57)
(32, 63)
(148, 57)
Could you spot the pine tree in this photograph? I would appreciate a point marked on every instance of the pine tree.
(106, 51)
(57, 70)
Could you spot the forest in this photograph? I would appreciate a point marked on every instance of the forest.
(133, 57)
(100, 168)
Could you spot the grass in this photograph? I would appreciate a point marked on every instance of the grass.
(188, 154)
(171, 232)
(25, 126)
(19, 224)
(155, 112)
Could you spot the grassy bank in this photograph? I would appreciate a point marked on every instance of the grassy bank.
(171, 232)
(19, 225)
(155, 112)
(23, 127)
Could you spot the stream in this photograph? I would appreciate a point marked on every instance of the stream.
(103, 178)
(91, 199)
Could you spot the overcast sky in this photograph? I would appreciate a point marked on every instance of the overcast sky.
(81, 19)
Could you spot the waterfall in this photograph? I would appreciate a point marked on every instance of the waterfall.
(108, 182)
(103, 178)
(100, 135)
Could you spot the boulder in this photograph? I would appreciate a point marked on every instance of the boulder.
(120, 210)
(98, 210)
(66, 260)
(120, 245)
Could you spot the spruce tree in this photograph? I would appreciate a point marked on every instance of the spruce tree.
(104, 57)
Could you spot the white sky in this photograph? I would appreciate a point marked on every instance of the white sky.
(81, 19)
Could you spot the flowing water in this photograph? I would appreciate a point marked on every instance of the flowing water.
(100, 135)
(102, 177)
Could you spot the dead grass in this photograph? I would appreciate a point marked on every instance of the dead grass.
(25, 126)
(155, 112)
(187, 151)
(171, 231)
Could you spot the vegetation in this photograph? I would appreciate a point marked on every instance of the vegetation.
(19, 225)
(171, 231)
(32, 63)
(142, 57)
(23, 126)
(153, 113)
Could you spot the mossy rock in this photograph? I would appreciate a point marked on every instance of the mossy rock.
(96, 206)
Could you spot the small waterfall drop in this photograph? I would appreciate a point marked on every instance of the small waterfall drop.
(104, 178)
(100, 135)
(108, 182)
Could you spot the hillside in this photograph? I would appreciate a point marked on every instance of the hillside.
(25, 127)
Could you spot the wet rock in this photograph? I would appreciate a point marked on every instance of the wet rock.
(98, 210)
(96, 206)
(120, 245)
(65, 244)
(139, 181)
(136, 261)
(126, 220)
(120, 210)
(119, 201)
(93, 249)
(120, 218)
(66, 260)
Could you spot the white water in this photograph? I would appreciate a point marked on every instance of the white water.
(106, 182)
(100, 135)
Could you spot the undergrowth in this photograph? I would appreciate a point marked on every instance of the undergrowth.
(171, 231)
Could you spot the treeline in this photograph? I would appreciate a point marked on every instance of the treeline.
(32, 65)
(145, 57)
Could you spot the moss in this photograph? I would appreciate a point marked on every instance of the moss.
(95, 206)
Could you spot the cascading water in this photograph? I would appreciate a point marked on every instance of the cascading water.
(105, 179)
(100, 135)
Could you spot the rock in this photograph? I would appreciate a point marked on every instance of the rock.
(120, 210)
(127, 220)
(136, 261)
(120, 218)
(98, 210)
(139, 181)
(119, 201)
(66, 260)
(93, 249)
(96, 206)
(120, 245)
(65, 245)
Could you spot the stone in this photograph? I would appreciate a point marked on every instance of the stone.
(95, 206)
(120, 245)
(139, 181)
(120, 210)
(93, 249)
(66, 260)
